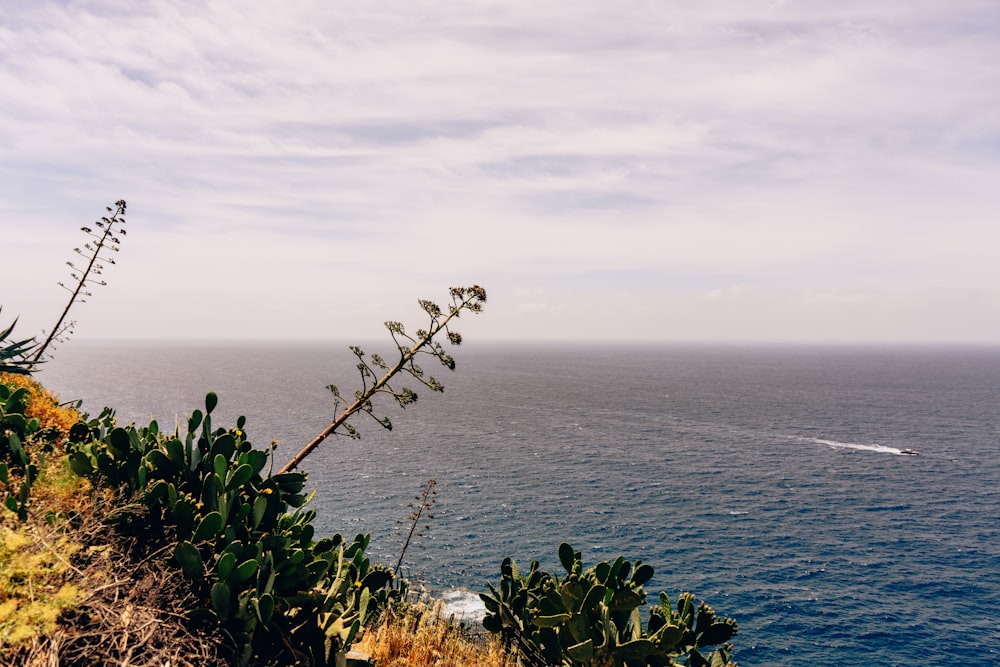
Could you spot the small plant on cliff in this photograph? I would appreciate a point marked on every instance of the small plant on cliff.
(35, 573)
(25, 435)
(421, 636)
(591, 618)
(14, 354)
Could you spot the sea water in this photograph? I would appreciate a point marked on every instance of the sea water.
(774, 483)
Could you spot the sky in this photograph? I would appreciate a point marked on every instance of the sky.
(664, 170)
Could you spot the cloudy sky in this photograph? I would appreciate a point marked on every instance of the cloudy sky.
(738, 170)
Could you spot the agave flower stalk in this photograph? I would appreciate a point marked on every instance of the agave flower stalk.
(101, 249)
(423, 508)
(409, 347)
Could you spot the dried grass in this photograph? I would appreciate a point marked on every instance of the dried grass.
(421, 638)
(128, 612)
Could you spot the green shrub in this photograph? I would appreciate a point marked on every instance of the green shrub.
(240, 534)
(14, 353)
(21, 438)
(592, 617)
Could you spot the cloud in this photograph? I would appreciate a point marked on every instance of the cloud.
(278, 159)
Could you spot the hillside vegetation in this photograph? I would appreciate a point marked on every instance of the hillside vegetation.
(126, 544)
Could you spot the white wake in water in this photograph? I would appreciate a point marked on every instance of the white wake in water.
(882, 449)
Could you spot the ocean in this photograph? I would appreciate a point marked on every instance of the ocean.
(772, 482)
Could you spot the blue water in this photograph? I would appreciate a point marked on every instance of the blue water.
(770, 482)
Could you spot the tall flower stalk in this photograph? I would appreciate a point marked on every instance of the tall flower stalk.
(422, 510)
(408, 347)
(99, 250)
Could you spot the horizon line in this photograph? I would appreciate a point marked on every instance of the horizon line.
(679, 342)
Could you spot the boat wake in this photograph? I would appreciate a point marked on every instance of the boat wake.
(874, 447)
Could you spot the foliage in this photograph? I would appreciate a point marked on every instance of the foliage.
(243, 536)
(45, 406)
(32, 424)
(22, 439)
(33, 586)
(76, 594)
(101, 249)
(591, 617)
(14, 354)
(470, 299)
(207, 501)
(240, 535)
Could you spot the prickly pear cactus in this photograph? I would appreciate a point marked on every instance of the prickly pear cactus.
(592, 617)
(242, 537)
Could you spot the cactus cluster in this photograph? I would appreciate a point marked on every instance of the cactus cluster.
(241, 535)
(592, 617)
